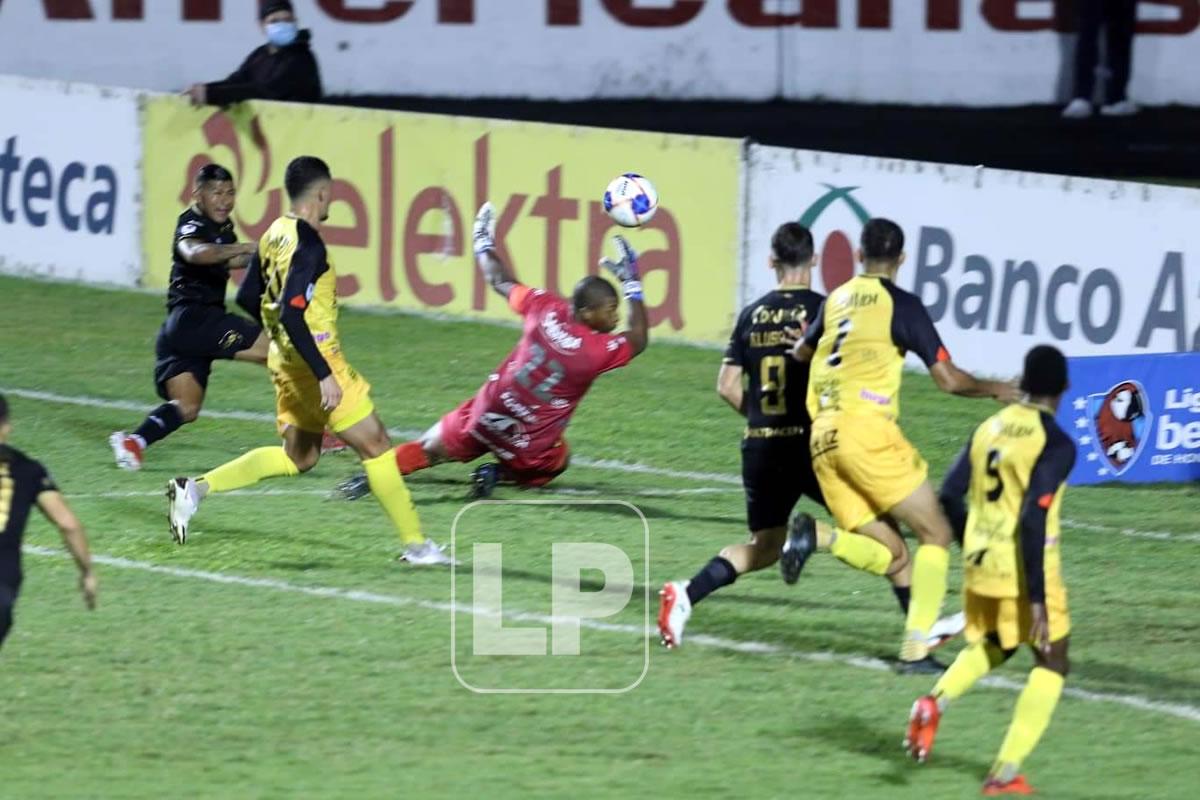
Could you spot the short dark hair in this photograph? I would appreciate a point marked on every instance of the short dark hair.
(882, 240)
(1045, 372)
(792, 244)
(302, 173)
(268, 7)
(592, 292)
(212, 172)
(3, 410)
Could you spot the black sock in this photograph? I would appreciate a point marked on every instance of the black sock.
(716, 573)
(160, 423)
(903, 593)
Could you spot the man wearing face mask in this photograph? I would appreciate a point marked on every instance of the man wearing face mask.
(282, 69)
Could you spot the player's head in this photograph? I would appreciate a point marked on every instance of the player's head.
(278, 21)
(5, 427)
(881, 247)
(309, 183)
(1045, 375)
(595, 303)
(792, 250)
(213, 192)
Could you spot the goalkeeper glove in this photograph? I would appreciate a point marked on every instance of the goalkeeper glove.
(625, 269)
(484, 233)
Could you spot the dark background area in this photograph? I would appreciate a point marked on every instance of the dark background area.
(1159, 144)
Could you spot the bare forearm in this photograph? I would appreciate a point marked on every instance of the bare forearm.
(639, 326)
(498, 274)
(736, 398)
(204, 255)
(77, 544)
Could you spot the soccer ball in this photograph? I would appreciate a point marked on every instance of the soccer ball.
(631, 200)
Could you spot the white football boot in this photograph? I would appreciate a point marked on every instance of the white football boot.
(426, 554)
(127, 450)
(945, 629)
(183, 499)
(674, 609)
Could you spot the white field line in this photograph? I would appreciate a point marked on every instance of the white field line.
(581, 461)
(328, 493)
(1179, 710)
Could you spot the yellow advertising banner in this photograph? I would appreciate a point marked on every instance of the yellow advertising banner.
(407, 187)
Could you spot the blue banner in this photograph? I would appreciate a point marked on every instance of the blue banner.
(1134, 419)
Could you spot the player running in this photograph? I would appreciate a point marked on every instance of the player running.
(776, 463)
(872, 478)
(198, 330)
(25, 483)
(522, 411)
(1013, 471)
(292, 288)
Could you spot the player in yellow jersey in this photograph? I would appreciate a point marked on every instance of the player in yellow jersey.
(1013, 472)
(291, 287)
(872, 478)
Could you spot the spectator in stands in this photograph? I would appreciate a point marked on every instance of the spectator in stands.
(1118, 18)
(282, 69)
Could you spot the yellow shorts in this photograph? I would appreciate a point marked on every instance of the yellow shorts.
(1008, 617)
(865, 466)
(298, 399)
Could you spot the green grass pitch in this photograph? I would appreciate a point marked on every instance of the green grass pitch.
(283, 654)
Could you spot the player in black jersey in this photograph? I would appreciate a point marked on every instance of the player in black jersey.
(197, 330)
(24, 484)
(763, 384)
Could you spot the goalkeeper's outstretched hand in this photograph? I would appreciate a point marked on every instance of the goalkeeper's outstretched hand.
(625, 269)
(484, 234)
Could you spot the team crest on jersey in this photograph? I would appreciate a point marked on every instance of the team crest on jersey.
(1120, 421)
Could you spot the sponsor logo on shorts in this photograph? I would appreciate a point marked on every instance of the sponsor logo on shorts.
(824, 444)
(230, 340)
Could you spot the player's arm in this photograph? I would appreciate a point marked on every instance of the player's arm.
(54, 506)
(250, 293)
(729, 378)
(625, 270)
(953, 380)
(954, 489)
(207, 254)
(498, 274)
(913, 330)
(729, 386)
(1049, 474)
(805, 347)
(308, 264)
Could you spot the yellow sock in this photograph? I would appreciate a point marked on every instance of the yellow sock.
(930, 565)
(825, 536)
(250, 468)
(1030, 720)
(861, 552)
(972, 664)
(387, 484)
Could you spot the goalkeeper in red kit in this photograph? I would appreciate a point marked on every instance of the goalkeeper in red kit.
(522, 411)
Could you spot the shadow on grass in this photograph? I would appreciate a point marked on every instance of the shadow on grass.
(857, 736)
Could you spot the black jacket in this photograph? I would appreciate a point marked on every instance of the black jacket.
(290, 73)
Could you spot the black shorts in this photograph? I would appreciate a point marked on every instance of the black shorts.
(195, 336)
(776, 472)
(8, 599)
